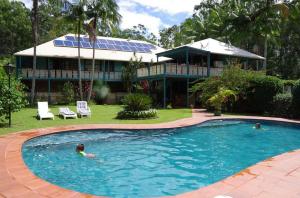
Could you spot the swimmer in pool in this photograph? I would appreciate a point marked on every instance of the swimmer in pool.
(257, 126)
(80, 151)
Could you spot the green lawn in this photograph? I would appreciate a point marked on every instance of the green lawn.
(101, 114)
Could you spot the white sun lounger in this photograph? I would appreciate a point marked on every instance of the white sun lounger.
(44, 111)
(65, 112)
(83, 109)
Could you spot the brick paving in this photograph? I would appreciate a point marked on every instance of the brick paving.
(278, 176)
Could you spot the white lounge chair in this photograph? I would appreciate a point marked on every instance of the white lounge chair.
(65, 112)
(44, 111)
(83, 109)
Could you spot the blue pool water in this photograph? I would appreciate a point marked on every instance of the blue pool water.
(151, 163)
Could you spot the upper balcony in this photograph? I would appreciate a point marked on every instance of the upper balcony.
(27, 73)
(174, 70)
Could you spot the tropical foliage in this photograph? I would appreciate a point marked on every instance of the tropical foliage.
(14, 97)
(68, 92)
(222, 96)
(129, 72)
(137, 106)
(254, 90)
(103, 14)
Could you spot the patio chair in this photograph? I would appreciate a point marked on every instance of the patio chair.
(44, 111)
(65, 112)
(83, 109)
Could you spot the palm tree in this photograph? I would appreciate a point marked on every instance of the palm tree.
(258, 18)
(76, 14)
(105, 14)
(34, 21)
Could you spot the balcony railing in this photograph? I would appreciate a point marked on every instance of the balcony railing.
(178, 70)
(70, 74)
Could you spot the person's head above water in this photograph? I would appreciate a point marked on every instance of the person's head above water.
(257, 126)
(79, 148)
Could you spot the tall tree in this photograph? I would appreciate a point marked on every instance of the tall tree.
(104, 14)
(15, 31)
(76, 14)
(139, 32)
(129, 72)
(34, 20)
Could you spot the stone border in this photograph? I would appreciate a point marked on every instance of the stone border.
(275, 177)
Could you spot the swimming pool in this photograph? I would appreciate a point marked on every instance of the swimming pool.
(150, 163)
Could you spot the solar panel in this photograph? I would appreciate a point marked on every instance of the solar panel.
(70, 38)
(68, 43)
(103, 41)
(76, 39)
(126, 48)
(104, 44)
(86, 39)
(111, 42)
(112, 47)
(96, 46)
(118, 47)
(140, 49)
(132, 44)
(75, 43)
(86, 45)
(147, 50)
(145, 45)
(134, 49)
(124, 43)
(139, 44)
(59, 43)
(118, 43)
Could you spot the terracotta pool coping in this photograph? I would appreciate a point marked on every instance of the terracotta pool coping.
(275, 177)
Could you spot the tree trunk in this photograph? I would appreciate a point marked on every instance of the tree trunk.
(79, 61)
(265, 53)
(94, 39)
(34, 20)
(93, 72)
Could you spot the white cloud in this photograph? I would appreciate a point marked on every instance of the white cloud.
(169, 6)
(131, 17)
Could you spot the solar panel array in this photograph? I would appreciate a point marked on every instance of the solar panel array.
(105, 44)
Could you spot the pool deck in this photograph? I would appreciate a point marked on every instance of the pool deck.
(278, 176)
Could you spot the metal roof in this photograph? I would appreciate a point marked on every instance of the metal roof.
(48, 49)
(217, 47)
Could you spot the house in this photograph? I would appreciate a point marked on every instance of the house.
(166, 75)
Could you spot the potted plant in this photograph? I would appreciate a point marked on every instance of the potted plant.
(219, 98)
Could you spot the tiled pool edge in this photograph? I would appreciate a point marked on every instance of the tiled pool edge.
(16, 180)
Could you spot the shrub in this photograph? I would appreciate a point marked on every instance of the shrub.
(15, 96)
(137, 102)
(137, 106)
(100, 92)
(296, 99)
(282, 104)
(254, 90)
(261, 91)
(221, 97)
(68, 92)
(208, 88)
(137, 115)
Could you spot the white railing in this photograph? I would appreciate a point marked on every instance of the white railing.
(178, 70)
(216, 71)
(69, 74)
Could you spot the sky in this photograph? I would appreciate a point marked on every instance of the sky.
(154, 14)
